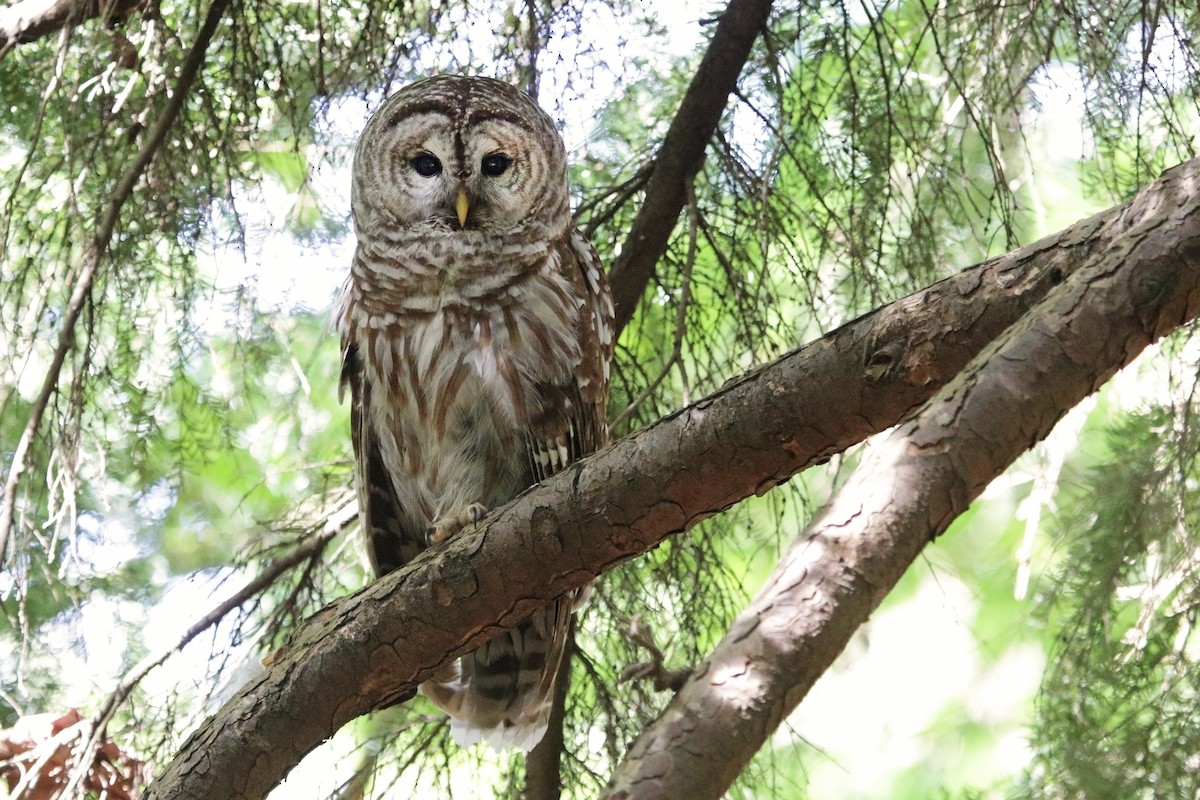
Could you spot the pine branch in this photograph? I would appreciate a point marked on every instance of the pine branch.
(371, 649)
(95, 254)
(30, 20)
(92, 732)
(308, 550)
(1143, 285)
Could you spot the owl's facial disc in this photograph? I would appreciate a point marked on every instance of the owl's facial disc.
(455, 188)
(442, 169)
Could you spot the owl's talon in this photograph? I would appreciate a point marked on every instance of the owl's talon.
(447, 526)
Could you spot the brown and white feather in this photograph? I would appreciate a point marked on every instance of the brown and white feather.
(476, 354)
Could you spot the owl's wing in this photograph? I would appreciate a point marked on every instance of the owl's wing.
(389, 544)
(572, 421)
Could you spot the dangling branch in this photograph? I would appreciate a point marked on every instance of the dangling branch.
(663, 679)
(93, 257)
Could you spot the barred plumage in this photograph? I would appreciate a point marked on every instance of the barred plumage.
(476, 326)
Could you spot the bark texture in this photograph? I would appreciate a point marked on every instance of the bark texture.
(371, 649)
(1143, 283)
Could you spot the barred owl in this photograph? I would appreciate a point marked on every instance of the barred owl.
(476, 327)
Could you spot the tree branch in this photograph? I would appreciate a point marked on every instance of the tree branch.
(95, 253)
(29, 20)
(543, 765)
(309, 549)
(681, 154)
(926, 474)
(373, 648)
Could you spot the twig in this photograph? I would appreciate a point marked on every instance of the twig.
(337, 522)
(655, 669)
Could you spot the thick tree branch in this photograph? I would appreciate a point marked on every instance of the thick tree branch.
(926, 474)
(681, 154)
(373, 648)
(29, 20)
(96, 252)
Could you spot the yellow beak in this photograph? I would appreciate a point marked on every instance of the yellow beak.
(462, 206)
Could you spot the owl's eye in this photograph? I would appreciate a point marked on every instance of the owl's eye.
(495, 164)
(426, 165)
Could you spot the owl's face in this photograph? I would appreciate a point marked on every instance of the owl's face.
(460, 156)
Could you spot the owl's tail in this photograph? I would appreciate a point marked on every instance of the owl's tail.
(503, 692)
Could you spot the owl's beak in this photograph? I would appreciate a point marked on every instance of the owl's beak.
(461, 207)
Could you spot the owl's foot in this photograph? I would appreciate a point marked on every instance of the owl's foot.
(442, 529)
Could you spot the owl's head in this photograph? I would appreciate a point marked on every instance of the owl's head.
(455, 156)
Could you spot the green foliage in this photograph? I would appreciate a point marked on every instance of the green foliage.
(195, 436)
(1116, 708)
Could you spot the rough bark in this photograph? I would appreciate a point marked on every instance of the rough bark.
(1143, 285)
(371, 649)
(29, 20)
(681, 154)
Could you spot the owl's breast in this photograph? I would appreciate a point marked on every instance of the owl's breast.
(454, 388)
(495, 349)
